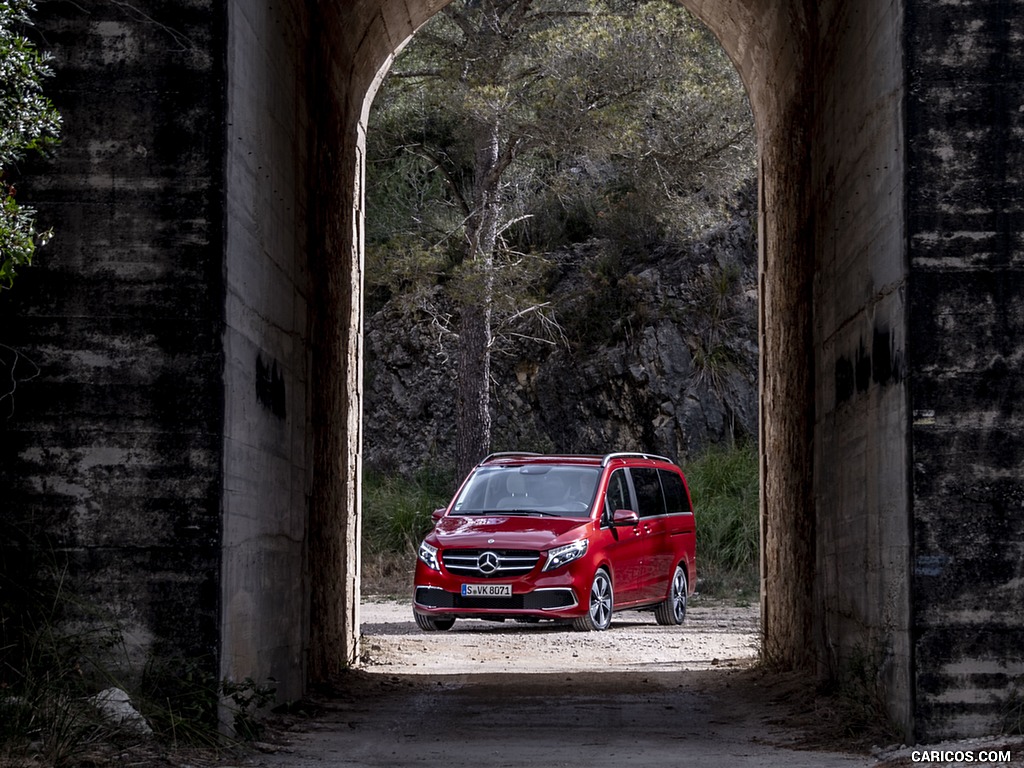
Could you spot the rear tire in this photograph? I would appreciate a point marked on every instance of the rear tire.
(430, 624)
(599, 606)
(673, 610)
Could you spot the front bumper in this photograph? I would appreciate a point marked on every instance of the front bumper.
(551, 602)
(557, 594)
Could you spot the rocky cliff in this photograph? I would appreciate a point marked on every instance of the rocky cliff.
(658, 353)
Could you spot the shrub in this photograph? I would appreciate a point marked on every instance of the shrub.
(396, 516)
(724, 485)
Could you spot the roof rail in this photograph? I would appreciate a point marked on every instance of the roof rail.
(629, 455)
(506, 454)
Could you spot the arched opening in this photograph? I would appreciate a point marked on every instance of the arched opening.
(828, 588)
(621, 285)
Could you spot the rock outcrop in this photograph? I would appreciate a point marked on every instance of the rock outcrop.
(659, 354)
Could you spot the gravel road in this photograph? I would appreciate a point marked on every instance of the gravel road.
(713, 636)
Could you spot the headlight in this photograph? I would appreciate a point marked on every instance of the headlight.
(559, 556)
(428, 555)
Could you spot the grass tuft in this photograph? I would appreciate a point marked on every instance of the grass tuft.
(396, 517)
(725, 487)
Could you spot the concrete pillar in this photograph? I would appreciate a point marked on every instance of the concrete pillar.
(267, 451)
(861, 416)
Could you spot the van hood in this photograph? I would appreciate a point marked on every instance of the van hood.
(505, 531)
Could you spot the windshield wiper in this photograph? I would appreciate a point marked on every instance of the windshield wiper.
(524, 512)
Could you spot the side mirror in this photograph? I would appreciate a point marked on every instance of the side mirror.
(625, 517)
(437, 514)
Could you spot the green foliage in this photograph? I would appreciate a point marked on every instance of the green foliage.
(656, 128)
(247, 700)
(396, 517)
(29, 123)
(55, 726)
(507, 124)
(725, 486)
(396, 509)
(617, 119)
(714, 324)
(57, 650)
(178, 697)
(403, 264)
(613, 305)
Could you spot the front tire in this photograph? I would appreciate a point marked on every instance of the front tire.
(673, 610)
(599, 608)
(430, 624)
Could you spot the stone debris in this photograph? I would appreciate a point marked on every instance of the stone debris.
(116, 705)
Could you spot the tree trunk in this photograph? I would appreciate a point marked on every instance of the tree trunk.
(473, 400)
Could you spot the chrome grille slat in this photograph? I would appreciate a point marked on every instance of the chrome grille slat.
(511, 562)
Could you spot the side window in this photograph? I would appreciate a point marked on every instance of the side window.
(676, 500)
(648, 491)
(617, 496)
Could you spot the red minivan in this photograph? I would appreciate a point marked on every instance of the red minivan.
(574, 538)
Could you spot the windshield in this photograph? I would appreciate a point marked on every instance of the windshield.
(540, 489)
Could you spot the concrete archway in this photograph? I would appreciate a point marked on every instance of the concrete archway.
(822, 294)
(190, 440)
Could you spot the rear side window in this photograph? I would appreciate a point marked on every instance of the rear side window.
(648, 491)
(676, 501)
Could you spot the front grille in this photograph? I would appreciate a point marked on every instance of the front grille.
(514, 603)
(490, 563)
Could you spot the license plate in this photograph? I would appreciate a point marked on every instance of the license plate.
(487, 590)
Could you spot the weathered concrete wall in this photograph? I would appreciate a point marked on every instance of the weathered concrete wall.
(267, 442)
(861, 446)
(164, 446)
(114, 450)
(965, 197)
(772, 44)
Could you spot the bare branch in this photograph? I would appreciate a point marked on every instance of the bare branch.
(428, 153)
(15, 358)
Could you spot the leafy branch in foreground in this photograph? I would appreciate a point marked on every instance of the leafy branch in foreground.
(29, 123)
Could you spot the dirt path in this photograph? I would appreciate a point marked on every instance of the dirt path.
(710, 638)
(509, 695)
